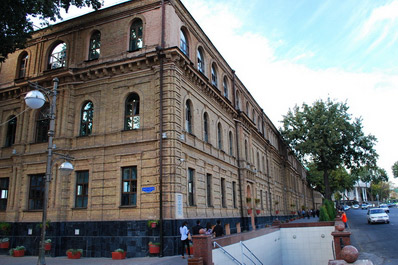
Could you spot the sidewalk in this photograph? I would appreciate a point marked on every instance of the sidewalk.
(30, 260)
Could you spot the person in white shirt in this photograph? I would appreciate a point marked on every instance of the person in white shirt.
(184, 231)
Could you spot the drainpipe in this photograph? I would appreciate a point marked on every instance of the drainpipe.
(242, 217)
(161, 56)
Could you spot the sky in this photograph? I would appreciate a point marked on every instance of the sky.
(302, 51)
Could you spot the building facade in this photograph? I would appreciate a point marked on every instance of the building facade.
(160, 128)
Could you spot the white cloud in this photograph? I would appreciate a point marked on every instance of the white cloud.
(278, 85)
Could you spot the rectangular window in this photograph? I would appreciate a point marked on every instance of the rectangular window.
(3, 193)
(129, 186)
(261, 200)
(223, 199)
(208, 187)
(191, 186)
(36, 192)
(81, 189)
(234, 193)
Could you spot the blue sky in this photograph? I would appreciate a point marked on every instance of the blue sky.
(290, 52)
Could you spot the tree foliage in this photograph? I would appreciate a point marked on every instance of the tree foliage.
(395, 169)
(339, 179)
(370, 174)
(324, 134)
(323, 214)
(16, 27)
(382, 189)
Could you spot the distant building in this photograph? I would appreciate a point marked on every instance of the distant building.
(358, 193)
(209, 152)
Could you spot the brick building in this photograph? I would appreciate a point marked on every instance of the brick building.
(160, 126)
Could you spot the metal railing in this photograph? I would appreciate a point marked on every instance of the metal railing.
(243, 253)
(227, 253)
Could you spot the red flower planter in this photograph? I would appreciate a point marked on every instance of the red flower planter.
(249, 211)
(47, 246)
(19, 253)
(258, 212)
(5, 245)
(75, 256)
(277, 212)
(118, 255)
(154, 249)
(153, 225)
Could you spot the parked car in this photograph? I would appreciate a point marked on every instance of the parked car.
(365, 205)
(384, 207)
(390, 204)
(346, 207)
(355, 206)
(377, 215)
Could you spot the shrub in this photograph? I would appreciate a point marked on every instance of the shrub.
(119, 250)
(11, 251)
(323, 214)
(330, 209)
(74, 251)
(3, 240)
(47, 241)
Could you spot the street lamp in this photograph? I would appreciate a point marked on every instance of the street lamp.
(35, 100)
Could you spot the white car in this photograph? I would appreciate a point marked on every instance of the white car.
(355, 206)
(377, 215)
(365, 205)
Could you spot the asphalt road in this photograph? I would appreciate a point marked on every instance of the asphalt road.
(376, 242)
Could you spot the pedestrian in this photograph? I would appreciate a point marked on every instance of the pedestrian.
(317, 213)
(308, 213)
(209, 229)
(344, 218)
(196, 228)
(218, 230)
(313, 213)
(184, 231)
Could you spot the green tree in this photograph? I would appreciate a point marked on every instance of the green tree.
(370, 174)
(382, 189)
(395, 169)
(325, 135)
(339, 179)
(16, 27)
(323, 214)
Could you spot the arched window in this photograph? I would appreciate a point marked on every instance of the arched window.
(11, 129)
(225, 85)
(57, 57)
(42, 124)
(219, 136)
(231, 144)
(246, 151)
(258, 161)
(206, 127)
(184, 43)
(136, 35)
(214, 75)
(95, 46)
(201, 62)
(132, 112)
(86, 120)
(188, 117)
(23, 65)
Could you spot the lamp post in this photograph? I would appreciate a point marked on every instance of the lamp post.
(35, 100)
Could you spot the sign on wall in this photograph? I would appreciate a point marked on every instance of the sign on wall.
(179, 206)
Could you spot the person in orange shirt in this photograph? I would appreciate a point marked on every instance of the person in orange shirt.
(344, 218)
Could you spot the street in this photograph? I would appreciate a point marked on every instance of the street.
(376, 242)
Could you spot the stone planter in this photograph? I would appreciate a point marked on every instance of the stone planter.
(77, 255)
(118, 255)
(18, 253)
(154, 249)
(5, 244)
(47, 246)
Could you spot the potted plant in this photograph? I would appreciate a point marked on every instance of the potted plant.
(47, 244)
(154, 248)
(118, 254)
(249, 211)
(73, 253)
(153, 223)
(258, 211)
(5, 243)
(19, 251)
(48, 223)
(190, 248)
(248, 199)
(257, 200)
(5, 228)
